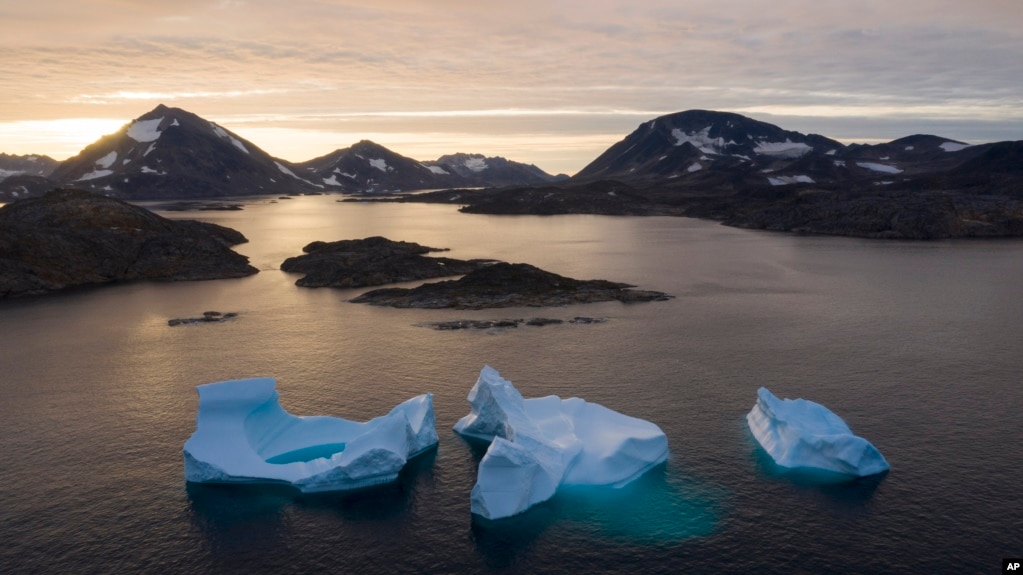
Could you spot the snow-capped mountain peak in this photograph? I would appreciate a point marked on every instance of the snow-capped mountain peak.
(169, 152)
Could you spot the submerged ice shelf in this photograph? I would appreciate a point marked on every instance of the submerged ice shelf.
(243, 435)
(542, 443)
(801, 434)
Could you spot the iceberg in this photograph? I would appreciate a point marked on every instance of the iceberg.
(243, 435)
(542, 443)
(801, 434)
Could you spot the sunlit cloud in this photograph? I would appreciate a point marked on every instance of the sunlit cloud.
(57, 138)
(169, 96)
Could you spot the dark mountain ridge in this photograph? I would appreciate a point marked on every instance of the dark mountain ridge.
(748, 173)
(30, 165)
(368, 167)
(479, 170)
(685, 143)
(169, 153)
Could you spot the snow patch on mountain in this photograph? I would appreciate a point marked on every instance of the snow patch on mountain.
(107, 160)
(701, 140)
(439, 170)
(881, 168)
(954, 146)
(94, 175)
(786, 180)
(476, 164)
(331, 181)
(786, 149)
(145, 130)
(379, 163)
(694, 167)
(284, 170)
(223, 134)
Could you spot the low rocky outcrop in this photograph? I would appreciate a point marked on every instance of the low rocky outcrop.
(70, 238)
(458, 324)
(508, 285)
(207, 317)
(371, 262)
(199, 206)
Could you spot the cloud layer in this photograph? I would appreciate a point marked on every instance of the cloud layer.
(492, 77)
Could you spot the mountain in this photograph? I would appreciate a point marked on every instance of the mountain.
(702, 149)
(367, 167)
(24, 176)
(32, 165)
(171, 153)
(23, 186)
(684, 144)
(752, 174)
(496, 171)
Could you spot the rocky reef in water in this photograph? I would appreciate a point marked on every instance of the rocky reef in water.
(508, 285)
(371, 262)
(70, 238)
(457, 324)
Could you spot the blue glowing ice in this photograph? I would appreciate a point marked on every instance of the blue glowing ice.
(801, 434)
(542, 443)
(243, 435)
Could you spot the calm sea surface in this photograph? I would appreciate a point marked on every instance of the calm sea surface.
(918, 346)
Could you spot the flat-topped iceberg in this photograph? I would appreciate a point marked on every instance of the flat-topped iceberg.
(243, 435)
(541, 443)
(801, 434)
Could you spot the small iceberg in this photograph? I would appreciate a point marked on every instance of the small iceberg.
(243, 435)
(801, 434)
(542, 443)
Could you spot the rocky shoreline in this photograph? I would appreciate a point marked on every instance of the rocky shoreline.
(371, 262)
(69, 238)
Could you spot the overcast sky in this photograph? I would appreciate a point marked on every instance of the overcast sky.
(550, 82)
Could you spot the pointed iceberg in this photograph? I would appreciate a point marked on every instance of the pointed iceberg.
(801, 434)
(243, 435)
(542, 443)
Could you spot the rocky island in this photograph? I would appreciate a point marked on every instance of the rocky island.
(371, 262)
(70, 238)
(508, 285)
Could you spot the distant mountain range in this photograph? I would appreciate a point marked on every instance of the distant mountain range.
(723, 149)
(171, 153)
(748, 173)
(697, 163)
(11, 165)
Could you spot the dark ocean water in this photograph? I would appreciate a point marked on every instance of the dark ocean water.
(918, 346)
